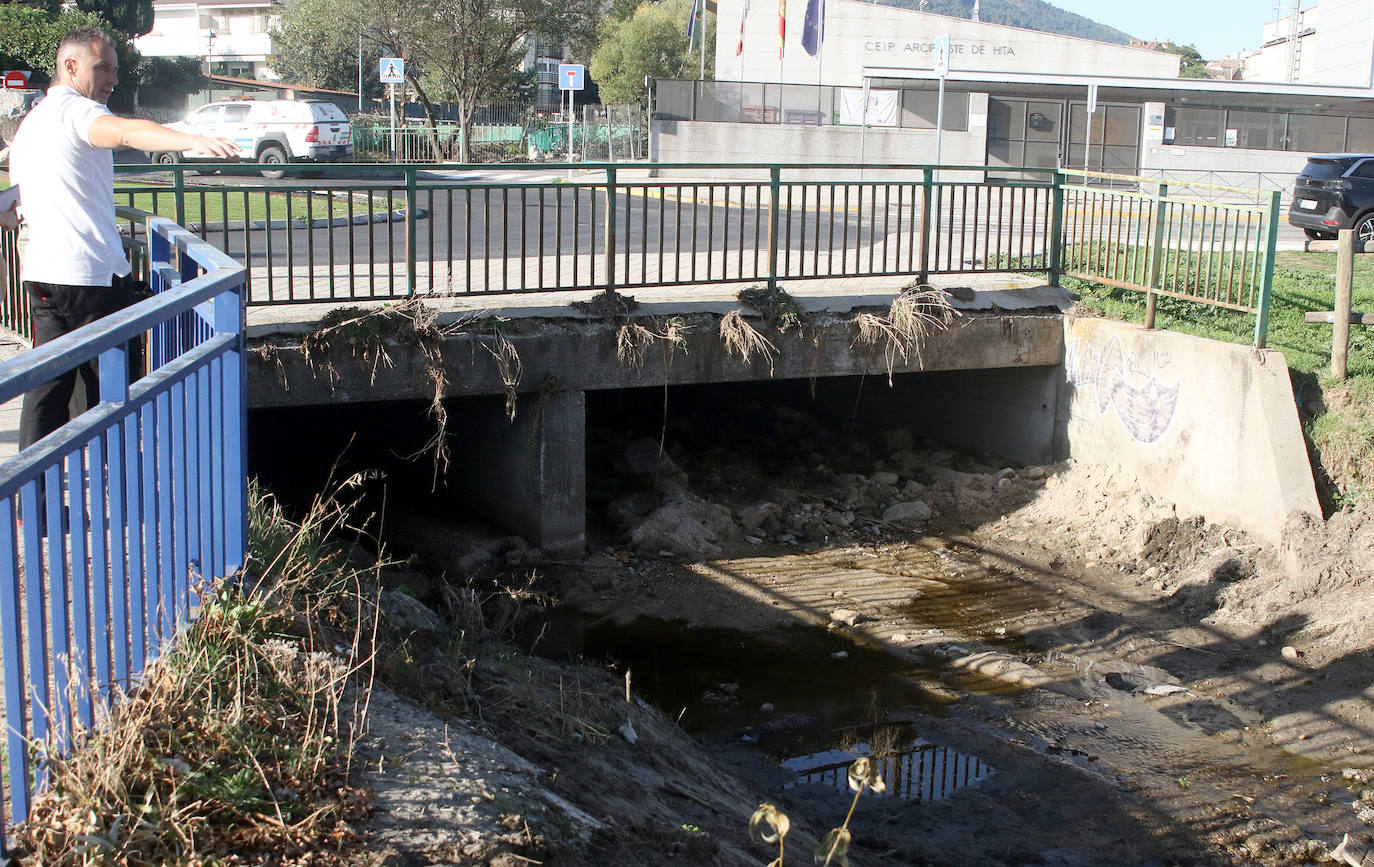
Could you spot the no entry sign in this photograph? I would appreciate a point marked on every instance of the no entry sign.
(16, 80)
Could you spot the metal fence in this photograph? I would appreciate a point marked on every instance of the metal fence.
(510, 134)
(1182, 246)
(390, 232)
(113, 526)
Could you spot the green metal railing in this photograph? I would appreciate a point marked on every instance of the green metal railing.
(394, 231)
(1199, 242)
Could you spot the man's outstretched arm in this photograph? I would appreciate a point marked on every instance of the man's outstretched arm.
(110, 131)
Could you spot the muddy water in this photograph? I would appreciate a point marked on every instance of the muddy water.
(935, 678)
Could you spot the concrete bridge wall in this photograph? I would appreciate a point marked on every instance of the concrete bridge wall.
(529, 474)
(1211, 426)
(1207, 425)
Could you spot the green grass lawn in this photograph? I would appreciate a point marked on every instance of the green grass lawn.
(1338, 416)
(214, 205)
(1302, 282)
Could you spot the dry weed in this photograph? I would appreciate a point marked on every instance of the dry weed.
(779, 309)
(743, 340)
(508, 367)
(633, 340)
(630, 342)
(915, 314)
(238, 740)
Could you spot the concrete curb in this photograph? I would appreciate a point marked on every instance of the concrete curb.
(1330, 246)
(557, 306)
(396, 216)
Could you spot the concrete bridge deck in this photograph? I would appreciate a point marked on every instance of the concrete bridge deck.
(1228, 444)
(1001, 358)
(564, 352)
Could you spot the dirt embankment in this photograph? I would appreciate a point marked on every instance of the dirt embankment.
(1148, 685)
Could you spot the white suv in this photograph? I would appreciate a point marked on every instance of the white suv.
(272, 132)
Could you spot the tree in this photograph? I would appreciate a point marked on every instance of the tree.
(30, 34)
(318, 56)
(471, 48)
(1192, 65)
(130, 17)
(652, 41)
(460, 50)
(167, 80)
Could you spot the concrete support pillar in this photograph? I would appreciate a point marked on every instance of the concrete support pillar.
(528, 475)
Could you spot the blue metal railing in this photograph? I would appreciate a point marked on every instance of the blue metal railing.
(113, 526)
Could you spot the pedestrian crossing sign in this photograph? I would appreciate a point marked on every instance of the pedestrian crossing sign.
(393, 70)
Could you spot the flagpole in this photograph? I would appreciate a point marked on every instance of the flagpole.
(703, 40)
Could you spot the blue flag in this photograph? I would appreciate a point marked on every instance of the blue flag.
(813, 31)
(691, 23)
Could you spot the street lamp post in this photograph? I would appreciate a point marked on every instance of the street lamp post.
(209, 66)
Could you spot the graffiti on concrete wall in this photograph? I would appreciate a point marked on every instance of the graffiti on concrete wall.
(1131, 385)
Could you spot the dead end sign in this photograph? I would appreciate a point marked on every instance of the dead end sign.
(571, 76)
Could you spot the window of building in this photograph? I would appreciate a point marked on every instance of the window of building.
(1266, 130)
(1316, 132)
(1359, 135)
(921, 109)
(1199, 127)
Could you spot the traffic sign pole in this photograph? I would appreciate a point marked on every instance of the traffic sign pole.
(392, 71)
(570, 78)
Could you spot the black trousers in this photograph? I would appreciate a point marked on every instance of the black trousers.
(57, 310)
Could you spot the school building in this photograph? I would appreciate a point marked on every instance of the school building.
(1012, 97)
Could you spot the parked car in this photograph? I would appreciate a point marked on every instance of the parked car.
(272, 132)
(1334, 192)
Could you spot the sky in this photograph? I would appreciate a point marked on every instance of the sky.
(1216, 27)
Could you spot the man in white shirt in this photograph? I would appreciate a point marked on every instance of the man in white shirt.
(62, 158)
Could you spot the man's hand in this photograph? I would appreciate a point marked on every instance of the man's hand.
(9, 218)
(205, 146)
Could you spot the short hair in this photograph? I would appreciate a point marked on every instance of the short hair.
(81, 37)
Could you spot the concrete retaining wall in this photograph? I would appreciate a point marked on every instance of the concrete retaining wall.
(708, 141)
(1211, 426)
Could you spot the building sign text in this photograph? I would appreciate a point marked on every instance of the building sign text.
(956, 49)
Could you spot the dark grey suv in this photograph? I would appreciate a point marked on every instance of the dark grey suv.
(1334, 192)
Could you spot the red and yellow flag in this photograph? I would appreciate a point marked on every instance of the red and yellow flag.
(739, 49)
(782, 26)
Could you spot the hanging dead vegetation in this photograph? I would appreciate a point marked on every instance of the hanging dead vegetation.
(779, 310)
(744, 341)
(369, 335)
(915, 314)
(508, 365)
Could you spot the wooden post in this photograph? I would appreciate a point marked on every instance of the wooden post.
(1345, 277)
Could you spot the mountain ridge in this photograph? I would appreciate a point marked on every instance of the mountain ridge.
(1027, 14)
